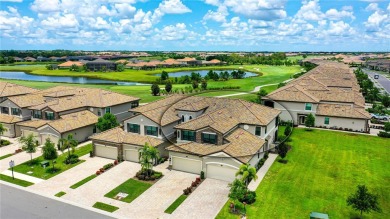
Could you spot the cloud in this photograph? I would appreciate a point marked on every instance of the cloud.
(11, 1)
(310, 10)
(334, 14)
(375, 20)
(218, 16)
(258, 9)
(173, 7)
(340, 28)
(45, 6)
(372, 7)
(59, 22)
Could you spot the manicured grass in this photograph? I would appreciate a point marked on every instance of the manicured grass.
(5, 156)
(323, 169)
(46, 173)
(60, 194)
(82, 182)
(15, 181)
(176, 204)
(133, 188)
(105, 207)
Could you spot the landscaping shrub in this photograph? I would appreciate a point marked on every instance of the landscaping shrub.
(4, 142)
(187, 191)
(266, 155)
(116, 162)
(101, 170)
(90, 153)
(249, 198)
(153, 175)
(384, 134)
(193, 184)
(108, 166)
(201, 174)
(72, 159)
(98, 172)
(157, 175)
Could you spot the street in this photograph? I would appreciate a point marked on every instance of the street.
(16, 203)
(383, 81)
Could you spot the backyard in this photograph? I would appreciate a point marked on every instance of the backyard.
(46, 173)
(323, 169)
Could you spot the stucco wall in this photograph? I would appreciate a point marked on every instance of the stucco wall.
(121, 111)
(81, 134)
(10, 132)
(294, 108)
(142, 121)
(350, 123)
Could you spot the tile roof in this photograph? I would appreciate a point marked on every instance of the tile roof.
(340, 110)
(9, 119)
(70, 63)
(119, 136)
(74, 121)
(35, 123)
(241, 145)
(9, 89)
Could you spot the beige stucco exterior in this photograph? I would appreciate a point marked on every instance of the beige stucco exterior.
(337, 122)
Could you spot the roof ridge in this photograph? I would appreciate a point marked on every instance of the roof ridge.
(250, 110)
(307, 93)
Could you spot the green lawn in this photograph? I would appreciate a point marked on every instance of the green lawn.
(323, 169)
(105, 207)
(60, 194)
(5, 156)
(46, 173)
(176, 204)
(82, 182)
(133, 188)
(15, 181)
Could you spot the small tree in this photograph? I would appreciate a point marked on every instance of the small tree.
(204, 84)
(195, 84)
(261, 94)
(237, 191)
(155, 89)
(68, 143)
(147, 156)
(164, 75)
(287, 131)
(2, 130)
(310, 120)
(386, 100)
(168, 87)
(108, 121)
(247, 173)
(363, 201)
(120, 67)
(29, 144)
(387, 127)
(282, 150)
(49, 152)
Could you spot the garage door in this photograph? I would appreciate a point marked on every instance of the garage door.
(221, 172)
(10, 130)
(26, 133)
(186, 165)
(53, 138)
(132, 155)
(106, 151)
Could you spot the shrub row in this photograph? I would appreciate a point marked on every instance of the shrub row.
(339, 128)
(148, 176)
(261, 161)
(384, 134)
(224, 88)
(194, 184)
(106, 167)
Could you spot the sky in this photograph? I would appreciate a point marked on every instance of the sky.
(196, 25)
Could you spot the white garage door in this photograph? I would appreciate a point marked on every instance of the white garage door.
(53, 138)
(26, 133)
(186, 165)
(221, 172)
(10, 130)
(106, 151)
(132, 155)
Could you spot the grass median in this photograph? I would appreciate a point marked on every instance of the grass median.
(15, 181)
(132, 187)
(176, 204)
(105, 207)
(82, 182)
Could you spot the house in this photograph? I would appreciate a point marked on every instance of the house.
(17, 59)
(189, 61)
(330, 92)
(69, 64)
(30, 59)
(9, 90)
(213, 135)
(101, 64)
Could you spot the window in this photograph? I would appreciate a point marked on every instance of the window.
(209, 138)
(134, 128)
(94, 130)
(277, 121)
(4, 110)
(265, 130)
(182, 118)
(108, 110)
(99, 113)
(258, 131)
(49, 115)
(190, 118)
(134, 104)
(151, 130)
(307, 106)
(188, 135)
(15, 111)
(326, 122)
(37, 114)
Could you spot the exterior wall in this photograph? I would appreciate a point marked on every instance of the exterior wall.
(22, 128)
(71, 111)
(10, 130)
(142, 121)
(198, 135)
(350, 123)
(25, 113)
(168, 131)
(80, 134)
(47, 129)
(187, 114)
(119, 146)
(121, 111)
(294, 108)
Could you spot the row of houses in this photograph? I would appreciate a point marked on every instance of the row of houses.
(330, 92)
(58, 111)
(79, 57)
(378, 64)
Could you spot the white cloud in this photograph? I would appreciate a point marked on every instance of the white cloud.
(45, 6)
(173, 7)
(11, 0)
(174, 32)
(259, 23)
(334, 14)
(258, 9)
(310, 10)
(375, 20)
(372, 7)
(218, 16)
(125, 10)
(58, 22)
(339, 28)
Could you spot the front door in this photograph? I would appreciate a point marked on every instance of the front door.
(302, 120)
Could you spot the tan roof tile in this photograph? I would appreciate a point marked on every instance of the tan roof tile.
(35, 123)
(9, 119)
(9, 89)
(339, 110)
(74, 121)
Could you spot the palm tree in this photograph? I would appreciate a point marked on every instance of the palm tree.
(67, 143)
(247, 173)
(2, 130)
(154, 154)
(147, 156)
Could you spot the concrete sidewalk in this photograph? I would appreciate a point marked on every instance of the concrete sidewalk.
(262, 171)
(22, 176)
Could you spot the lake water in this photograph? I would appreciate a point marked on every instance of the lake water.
(65, 79)
(202, 73)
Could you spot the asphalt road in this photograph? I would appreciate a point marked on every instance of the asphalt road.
(19, 204)
(382, 80)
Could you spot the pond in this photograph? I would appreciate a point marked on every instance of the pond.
(203, 73)
(62, 79)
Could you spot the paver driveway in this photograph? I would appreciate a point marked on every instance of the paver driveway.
(153, 202)
(205, 202)
(9, 149)
(63, 181)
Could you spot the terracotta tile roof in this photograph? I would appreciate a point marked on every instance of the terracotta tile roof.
(241, 145)
(70, 63)
(9, 119)
(74, 121)
(9, 89)
(119, 136)
(339, 110)
(35, 123)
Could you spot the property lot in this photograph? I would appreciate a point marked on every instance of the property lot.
(323, 169)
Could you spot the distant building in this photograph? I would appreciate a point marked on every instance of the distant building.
(101, 64)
